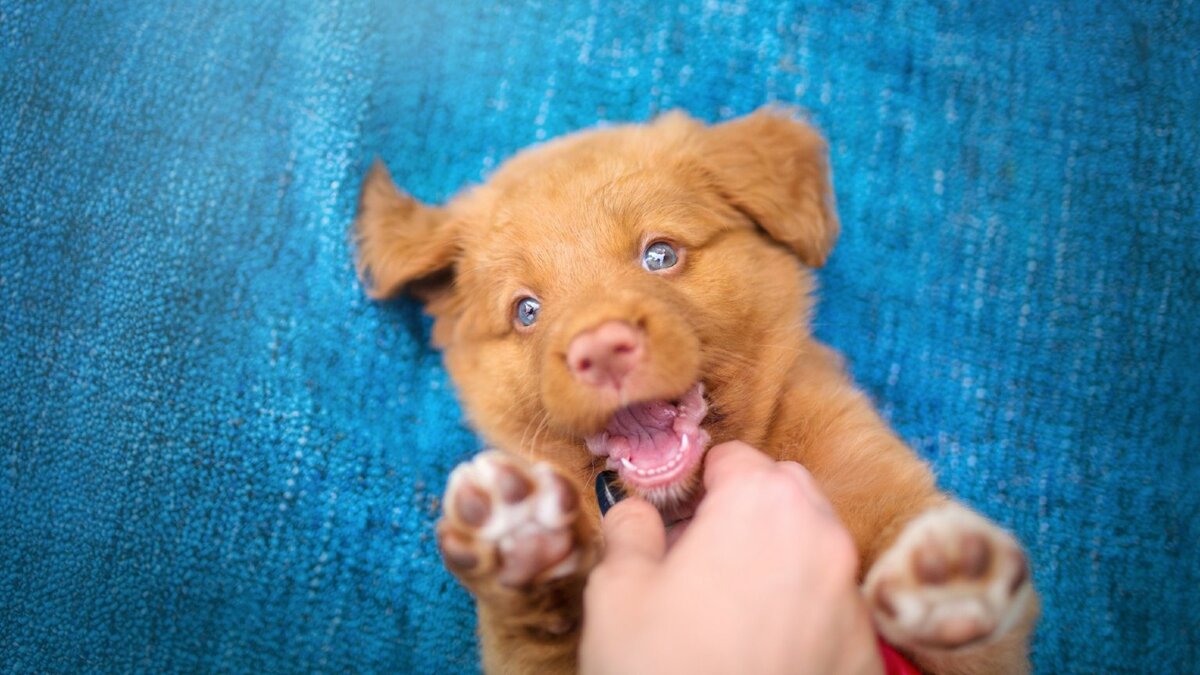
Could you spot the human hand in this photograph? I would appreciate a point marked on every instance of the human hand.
(762, 581)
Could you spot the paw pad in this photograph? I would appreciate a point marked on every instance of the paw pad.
(510, 520)
(950, 580)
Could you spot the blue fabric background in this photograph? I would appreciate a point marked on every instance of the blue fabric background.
(218, 455)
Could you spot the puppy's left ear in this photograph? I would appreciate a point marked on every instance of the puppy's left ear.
(775, 169)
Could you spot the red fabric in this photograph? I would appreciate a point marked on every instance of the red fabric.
(894, 663)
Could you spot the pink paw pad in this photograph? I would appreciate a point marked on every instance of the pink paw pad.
(509, 519)
(952, 579)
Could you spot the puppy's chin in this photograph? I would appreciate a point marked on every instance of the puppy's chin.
(657, 447)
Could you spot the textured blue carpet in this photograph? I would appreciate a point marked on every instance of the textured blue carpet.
(217, 455)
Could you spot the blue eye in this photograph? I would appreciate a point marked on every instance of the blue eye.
(659, 256)
(527, 311)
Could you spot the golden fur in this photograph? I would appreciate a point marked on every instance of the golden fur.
(749, 204)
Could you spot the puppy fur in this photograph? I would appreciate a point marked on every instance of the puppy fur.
(749, 206)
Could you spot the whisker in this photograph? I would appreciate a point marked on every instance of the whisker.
(544, 425)
(536, 419)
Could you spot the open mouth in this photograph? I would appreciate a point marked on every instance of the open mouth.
(655, 445)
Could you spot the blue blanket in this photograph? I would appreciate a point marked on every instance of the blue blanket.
(216, 454)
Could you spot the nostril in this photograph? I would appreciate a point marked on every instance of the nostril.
(583, 364)
(623, 348)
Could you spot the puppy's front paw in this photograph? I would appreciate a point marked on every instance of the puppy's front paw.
(509, 521)
(951, 579)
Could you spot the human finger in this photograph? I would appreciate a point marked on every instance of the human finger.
(808, 485)
(728, 460)
(633, 533)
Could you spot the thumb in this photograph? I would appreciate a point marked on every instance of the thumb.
(633, 534)
(727, 462)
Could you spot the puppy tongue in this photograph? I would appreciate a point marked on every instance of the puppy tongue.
(649, 435)
(644, 434)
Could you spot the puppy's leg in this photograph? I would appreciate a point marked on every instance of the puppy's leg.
(943, 584)
(512, 533)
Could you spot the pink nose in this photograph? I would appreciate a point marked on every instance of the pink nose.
(606, 354)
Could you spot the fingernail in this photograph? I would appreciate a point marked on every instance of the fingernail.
(608, 491)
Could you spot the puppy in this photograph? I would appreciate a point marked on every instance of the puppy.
(621, 299)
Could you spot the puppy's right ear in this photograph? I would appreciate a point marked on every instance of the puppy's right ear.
(401, 242)
(775, 169)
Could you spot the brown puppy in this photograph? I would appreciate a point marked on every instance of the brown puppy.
(622, 298)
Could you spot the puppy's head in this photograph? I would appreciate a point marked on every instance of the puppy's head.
(619, 297)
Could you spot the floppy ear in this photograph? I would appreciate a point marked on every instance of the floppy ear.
(775, 170)
(401, 242)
